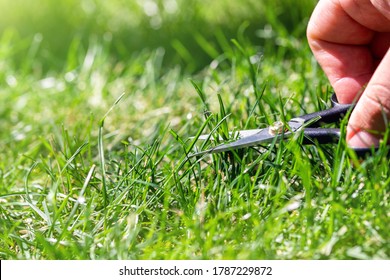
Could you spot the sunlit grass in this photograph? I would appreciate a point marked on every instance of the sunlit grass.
(94, 161)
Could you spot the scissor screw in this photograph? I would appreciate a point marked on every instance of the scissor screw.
(276, 128)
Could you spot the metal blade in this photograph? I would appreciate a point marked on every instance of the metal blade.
(233, 134)
(259, 138)
(262, 136)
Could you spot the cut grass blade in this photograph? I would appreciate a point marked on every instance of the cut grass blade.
(101, 150)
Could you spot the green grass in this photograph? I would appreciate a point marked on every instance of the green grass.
(95, 144)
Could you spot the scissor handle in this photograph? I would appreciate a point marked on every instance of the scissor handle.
(332, 135)
(321, 135)
(335, 102)
(331, 115)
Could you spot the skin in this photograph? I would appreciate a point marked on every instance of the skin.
(350, 40)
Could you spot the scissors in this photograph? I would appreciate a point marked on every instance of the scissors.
(310, 125)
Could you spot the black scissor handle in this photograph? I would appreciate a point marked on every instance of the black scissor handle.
(329, 135)
(332, 135)
(331, 115)
(360, 152)
(335, 102)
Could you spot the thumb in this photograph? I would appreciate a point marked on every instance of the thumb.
(368, 121)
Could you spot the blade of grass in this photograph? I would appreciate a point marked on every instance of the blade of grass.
(101, 151)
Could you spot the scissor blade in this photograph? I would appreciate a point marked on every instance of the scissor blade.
(236, 134)
(261, 137)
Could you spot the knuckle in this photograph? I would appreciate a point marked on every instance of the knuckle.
(379, 95)
(372, 112)
(383, 6)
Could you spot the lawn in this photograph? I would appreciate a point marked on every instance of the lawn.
(100, 99)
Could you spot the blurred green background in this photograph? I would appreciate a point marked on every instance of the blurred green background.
(190, 31)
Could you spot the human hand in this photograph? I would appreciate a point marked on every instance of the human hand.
(350, 40)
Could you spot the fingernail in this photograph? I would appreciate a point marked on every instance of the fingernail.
(363, 139)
